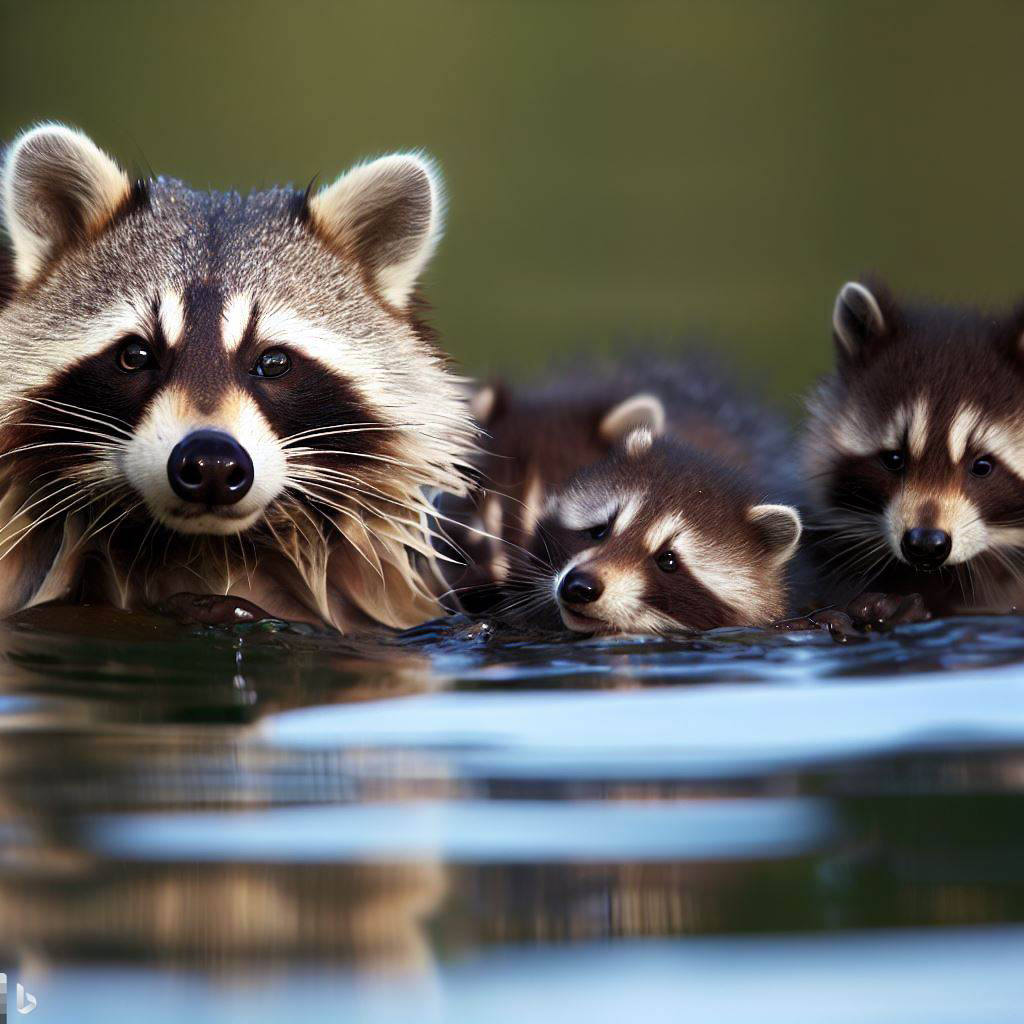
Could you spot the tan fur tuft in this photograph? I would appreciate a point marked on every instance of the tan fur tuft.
(388, 215)
(58, 188)
(642, 411)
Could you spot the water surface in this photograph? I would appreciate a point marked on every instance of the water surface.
(265, 824)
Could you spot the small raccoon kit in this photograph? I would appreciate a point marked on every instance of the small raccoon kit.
(629, 503)
(915, 453)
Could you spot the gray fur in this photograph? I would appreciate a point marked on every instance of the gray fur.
(335, 565)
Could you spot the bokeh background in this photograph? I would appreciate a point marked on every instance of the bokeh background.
(652, 170)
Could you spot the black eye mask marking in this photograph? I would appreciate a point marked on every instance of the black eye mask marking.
(861, 484)
(300, 395)
(96, 401)
(673, 590)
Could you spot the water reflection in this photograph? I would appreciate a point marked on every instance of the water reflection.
(258, 803)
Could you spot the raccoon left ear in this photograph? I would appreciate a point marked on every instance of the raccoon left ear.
(857, 319)
(781, 527)
(641, 411)
(58, 188)
(387, 214)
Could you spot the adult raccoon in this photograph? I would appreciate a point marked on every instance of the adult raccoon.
(220, 393)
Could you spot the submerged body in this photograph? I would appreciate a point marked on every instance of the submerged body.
(646, 498)
(915, 451)
(218, 393)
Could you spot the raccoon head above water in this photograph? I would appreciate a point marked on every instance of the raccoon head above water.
(189, 366)
(915, 448)
(660, 537)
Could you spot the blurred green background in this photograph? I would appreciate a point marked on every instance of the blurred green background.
(644, 169)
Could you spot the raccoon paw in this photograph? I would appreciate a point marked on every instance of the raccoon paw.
(213, 609)
(840, 626)
(800, 624)
(883, 611)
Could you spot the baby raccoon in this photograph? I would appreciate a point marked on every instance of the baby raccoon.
(632, 502)
(915, 448)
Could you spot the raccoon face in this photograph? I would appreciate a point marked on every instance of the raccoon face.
(491, 532)
(917, 445)
(658, 537)
(204, 357)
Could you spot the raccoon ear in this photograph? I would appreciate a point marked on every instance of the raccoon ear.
(388, 215)
(58, 188)
(857, 319)
(781, 527)
(643, 411)
(638, 441)
(1010, 334)
(486, 403)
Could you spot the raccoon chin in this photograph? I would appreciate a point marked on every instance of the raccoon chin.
(579, 623)
(216, 522)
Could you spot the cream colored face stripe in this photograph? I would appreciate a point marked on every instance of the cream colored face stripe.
(172, 317)
(237, 311)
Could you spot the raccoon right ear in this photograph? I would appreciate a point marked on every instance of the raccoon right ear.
(857, 319)
(643, 411)
(58, 188)
(486, 403)
(781, 527)
(387, 214)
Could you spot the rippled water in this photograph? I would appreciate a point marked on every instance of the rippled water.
(263, 824)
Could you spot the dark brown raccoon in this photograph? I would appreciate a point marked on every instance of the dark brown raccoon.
(915, 452)
(631, 501)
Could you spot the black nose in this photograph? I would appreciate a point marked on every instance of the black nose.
(580, 587)
(210, 467)
(926, 549)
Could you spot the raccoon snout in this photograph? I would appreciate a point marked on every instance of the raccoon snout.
(926, 549)
(211, 468)
(580, 587)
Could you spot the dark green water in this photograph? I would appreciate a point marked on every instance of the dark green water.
(263, 824)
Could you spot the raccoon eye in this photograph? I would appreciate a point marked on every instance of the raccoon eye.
(982, 466)
(666, 561)
(598, 532)
(894, 461)
(134, 355)
(275, 362)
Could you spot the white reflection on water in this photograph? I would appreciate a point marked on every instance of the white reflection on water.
(962, 976)
(717, 730)
(503, 831)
